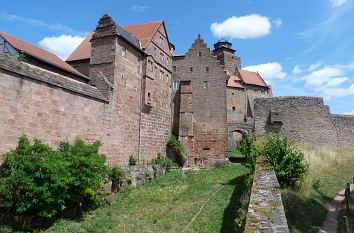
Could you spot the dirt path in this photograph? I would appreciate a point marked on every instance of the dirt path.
(331, 223)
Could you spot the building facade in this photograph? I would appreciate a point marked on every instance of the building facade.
(212, 99)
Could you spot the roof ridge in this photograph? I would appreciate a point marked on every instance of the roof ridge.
(157, 21)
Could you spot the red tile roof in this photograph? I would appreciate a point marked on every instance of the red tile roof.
(41, 54)
(83, 51)
(270, 91)
(234, 81)
(252, 78)
(144, 32)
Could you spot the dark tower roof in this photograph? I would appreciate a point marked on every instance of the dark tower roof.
(224, 45)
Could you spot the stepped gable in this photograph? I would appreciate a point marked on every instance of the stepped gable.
(40, 54)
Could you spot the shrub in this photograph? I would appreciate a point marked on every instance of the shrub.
(116, 175)
(132, 161)
(246, 144)
(286, 159)
(38, 181)
(178, 148)
(162, 161)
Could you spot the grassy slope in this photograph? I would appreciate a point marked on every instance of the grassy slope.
(306, 208)
(169, 204)
(233, 152)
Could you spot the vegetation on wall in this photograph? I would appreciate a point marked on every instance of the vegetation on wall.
(178, 149)
(36, 180)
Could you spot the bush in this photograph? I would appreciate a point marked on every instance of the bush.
(178, 148)
(132, 161)
(246, 144)
(162, 161)
(116, 175)
(36, 180)
(287, 161)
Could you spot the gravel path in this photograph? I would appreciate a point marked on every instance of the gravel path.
(331, 223)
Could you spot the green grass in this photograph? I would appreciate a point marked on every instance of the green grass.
(233, 152)
(169, 204)
(306, 206)
(350, 216)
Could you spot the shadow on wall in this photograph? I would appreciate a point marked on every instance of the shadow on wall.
(241, 188)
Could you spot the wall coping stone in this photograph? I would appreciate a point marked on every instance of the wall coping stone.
(266, 211)
(12, 64)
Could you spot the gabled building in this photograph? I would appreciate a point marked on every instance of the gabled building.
(213, 99)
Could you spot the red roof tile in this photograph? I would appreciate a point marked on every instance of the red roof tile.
(270, 91)
(234, 81)
(144, 32)
(83, 51)
(40, 54)
(252, 78)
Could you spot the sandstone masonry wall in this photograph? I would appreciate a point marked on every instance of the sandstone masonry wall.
(303, 119)
(265, 211)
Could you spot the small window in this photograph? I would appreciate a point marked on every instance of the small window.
(162, 56)
(175, 85)
(191, 69)
(233, 93)
(161, 38)
(167, 60)
(150, 66)
(199, 54)
(207, 69)
(167, 78)
(161, 74)
(233, 108)
(123, 50)
(174, 68)
(205, 85)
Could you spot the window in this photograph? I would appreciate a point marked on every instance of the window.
(123, 50)
(150, 66)
(233, 93)
(199, 54)
(207, 69)
(161, 74)
(205, 85)
(175, 85)
(162, 56)
(174, 68)
(161, 38)
(191, 69)
(167, 78)
(155, 71)
(167, 60)
(233, 108)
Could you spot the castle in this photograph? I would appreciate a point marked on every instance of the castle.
(124, 87)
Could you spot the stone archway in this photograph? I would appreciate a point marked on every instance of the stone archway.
(234, 137)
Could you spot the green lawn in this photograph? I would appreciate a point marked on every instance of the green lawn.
(330, 170)
(233, 152)
(170, 203)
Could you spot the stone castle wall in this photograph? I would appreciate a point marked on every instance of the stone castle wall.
(303, 119)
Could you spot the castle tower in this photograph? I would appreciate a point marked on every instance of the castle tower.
(226, 55)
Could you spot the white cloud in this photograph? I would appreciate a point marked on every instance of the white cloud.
(244, 27)
(324, 77)
(268, 71)
(277, 22)
(348, 113)
(39, 23)
(61, 45)
(296, 70)
(338, 2)
(138, 8)
(313, 67)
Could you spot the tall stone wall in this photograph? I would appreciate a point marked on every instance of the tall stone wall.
(203, 110)
(303, 119)
(344, 125)
(156, 112)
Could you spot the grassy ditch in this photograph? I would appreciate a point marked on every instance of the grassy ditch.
(204, 201)
(329, 171)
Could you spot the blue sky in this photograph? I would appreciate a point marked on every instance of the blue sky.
(301, 47)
